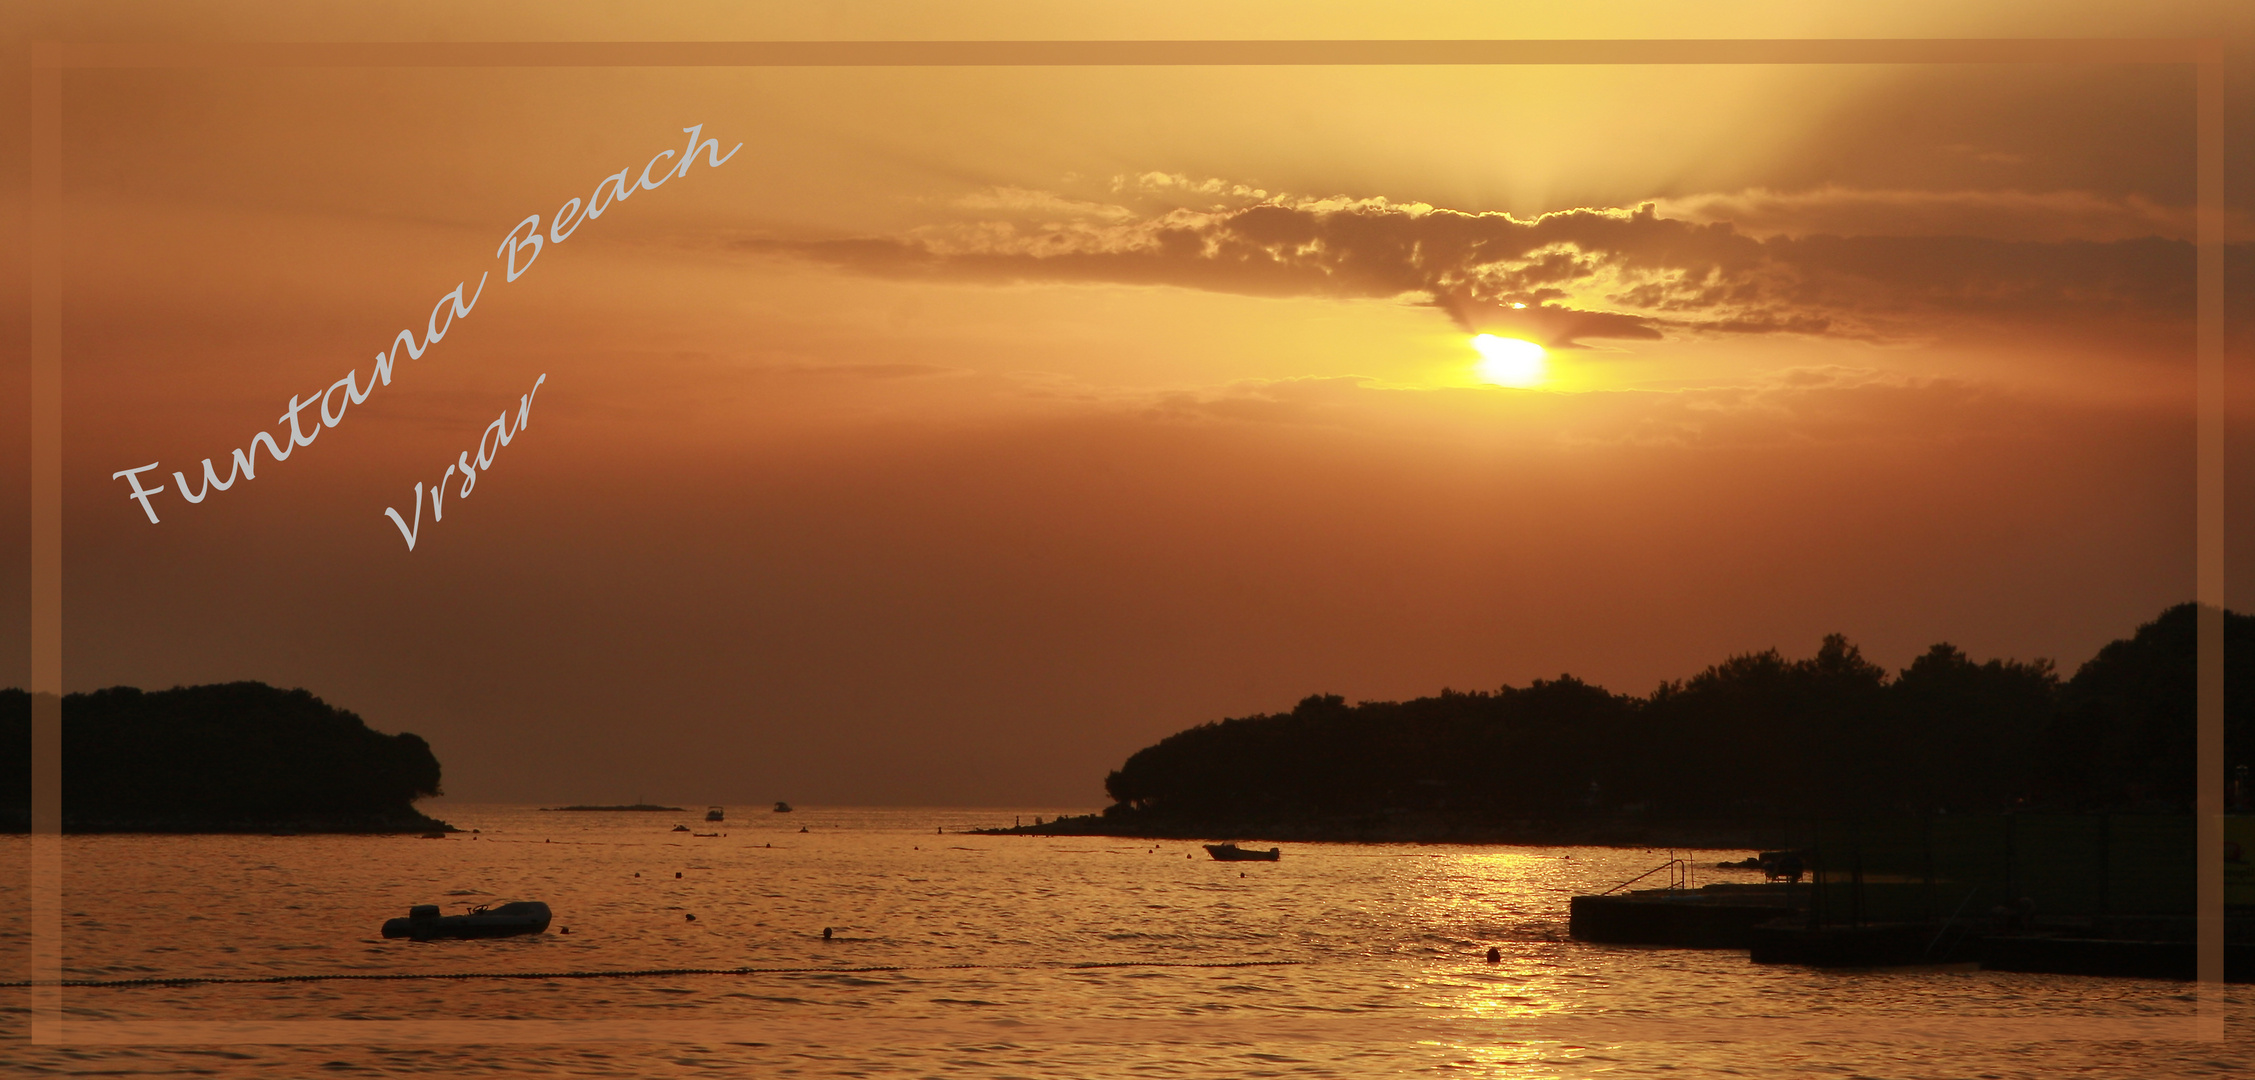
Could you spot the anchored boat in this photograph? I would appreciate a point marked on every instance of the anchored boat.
(423, 922)
(1233, 853)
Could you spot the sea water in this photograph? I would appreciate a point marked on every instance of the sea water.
(952, 954)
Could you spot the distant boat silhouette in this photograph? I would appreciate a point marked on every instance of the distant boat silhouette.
(1233, 853)
(714, 814)
(782, 807)
(681, 828)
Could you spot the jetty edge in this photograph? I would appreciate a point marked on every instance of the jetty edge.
(2102, 895)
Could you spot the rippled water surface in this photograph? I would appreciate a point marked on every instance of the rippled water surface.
(979, 956)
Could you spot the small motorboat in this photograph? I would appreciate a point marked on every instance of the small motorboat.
(681, 828)
(423, 922)
(1233, 853)
(782, 807)
(714, 814)
(1780, 865)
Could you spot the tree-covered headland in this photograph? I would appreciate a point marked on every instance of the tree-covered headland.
(1751, 742)
(237, 757)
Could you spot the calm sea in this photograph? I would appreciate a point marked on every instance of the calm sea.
(976, 956)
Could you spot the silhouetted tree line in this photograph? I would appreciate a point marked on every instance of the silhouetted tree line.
(1755, 736)
(238, 755)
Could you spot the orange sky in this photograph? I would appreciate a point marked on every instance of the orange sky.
(972, 428)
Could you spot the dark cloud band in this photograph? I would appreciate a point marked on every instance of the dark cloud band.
(1559, 278)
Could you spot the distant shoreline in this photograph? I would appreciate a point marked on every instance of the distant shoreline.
(1431, 828)
(640, 808)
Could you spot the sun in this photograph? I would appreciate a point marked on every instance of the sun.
(1508, 361)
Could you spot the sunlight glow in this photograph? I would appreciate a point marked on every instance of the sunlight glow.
(1508, 361)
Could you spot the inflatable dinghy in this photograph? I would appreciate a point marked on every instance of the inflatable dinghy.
(423, 922)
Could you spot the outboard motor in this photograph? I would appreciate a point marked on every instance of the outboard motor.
(421, 921)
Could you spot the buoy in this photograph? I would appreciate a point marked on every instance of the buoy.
(677, 873)
(638, 873)
(686, 917)
(1495, 955)
(566, 930)
(825, 933)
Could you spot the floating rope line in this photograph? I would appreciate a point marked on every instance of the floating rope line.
(247, 980)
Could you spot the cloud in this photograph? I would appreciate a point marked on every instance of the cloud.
(2044, 217)
(1654, 270)
(1029, 201)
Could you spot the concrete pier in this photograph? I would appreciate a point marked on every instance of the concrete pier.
(1715, 917)
(1771, 923)
(1869, 945)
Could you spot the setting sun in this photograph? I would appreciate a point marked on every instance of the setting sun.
(1508, 361)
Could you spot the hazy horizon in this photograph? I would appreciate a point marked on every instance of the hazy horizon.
(609, 797)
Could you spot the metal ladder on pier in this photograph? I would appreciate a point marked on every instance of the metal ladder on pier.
(1679, 875)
